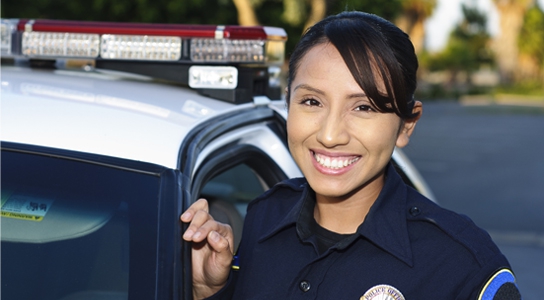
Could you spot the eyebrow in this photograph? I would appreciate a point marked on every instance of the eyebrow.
(316, 90)
(309, 88)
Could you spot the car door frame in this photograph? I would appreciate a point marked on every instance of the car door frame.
(222, 142)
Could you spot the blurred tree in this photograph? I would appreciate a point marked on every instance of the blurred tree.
(152, 11)
(412, 20)
(246, 12)
(389, 10)
(531, 45)
(295, 16)
(467, 48)
(511, 15)
(292, 15)
(318, 12)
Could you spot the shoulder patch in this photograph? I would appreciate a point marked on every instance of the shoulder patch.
(501, 286)
(382, 292)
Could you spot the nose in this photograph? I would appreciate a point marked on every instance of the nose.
(333, 130)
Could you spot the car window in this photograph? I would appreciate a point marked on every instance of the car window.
(237, 186)
(229, 194)
(231, 178)
(68, 228)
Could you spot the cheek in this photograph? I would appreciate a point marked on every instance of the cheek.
(376, 135)
(299, 129)
(294, 129)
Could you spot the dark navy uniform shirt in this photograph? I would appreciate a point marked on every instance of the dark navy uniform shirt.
(407, 248)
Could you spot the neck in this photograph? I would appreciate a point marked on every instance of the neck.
(345, 214)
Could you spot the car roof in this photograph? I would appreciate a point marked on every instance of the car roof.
(106, 113)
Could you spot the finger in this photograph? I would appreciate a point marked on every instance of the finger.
(208, 226)
(201, 224)
(200, 204)
(222, 243)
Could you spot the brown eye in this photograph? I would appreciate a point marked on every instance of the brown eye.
(310, 102)
(366, 108)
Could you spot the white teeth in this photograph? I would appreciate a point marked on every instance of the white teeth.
(334, 163)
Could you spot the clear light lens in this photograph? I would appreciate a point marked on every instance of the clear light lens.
(36, 44)
(213, 77)
(224, 50)
(6, 30)
(142, 47)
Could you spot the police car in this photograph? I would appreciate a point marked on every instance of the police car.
(109, 131)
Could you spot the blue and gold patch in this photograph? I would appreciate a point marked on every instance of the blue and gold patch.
(235, 263)
(501, 286)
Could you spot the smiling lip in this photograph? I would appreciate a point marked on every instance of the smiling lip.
(333, 164)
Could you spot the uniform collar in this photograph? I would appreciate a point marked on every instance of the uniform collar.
(385, 224)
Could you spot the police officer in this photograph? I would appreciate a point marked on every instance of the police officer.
(351, 228)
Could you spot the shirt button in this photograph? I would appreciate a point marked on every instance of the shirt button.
(414, 211)
(304, 286)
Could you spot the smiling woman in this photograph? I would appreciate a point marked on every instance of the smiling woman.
(351, 228)
(327, 112)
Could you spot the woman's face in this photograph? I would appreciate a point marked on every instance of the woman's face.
(339, 141)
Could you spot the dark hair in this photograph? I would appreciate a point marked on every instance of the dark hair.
(369, 45)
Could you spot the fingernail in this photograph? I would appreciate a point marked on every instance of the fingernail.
(214, 236)
(188, 234)
(185, 215)
(197, 235)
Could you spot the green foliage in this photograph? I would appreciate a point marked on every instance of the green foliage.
(422, 7)
(525, 87)
(466, 49)
(388, 11)
(269, 12)
(149, 11)
(531, 38)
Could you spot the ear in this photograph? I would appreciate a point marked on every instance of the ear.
(408, 126)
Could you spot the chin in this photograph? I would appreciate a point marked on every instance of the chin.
(329, 189)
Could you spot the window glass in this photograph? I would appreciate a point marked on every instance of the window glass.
(238, 186)
(67, 227)
(229, 194)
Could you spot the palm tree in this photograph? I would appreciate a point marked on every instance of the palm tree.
(294, 12)
(246, 13)
(511, 14)
(412, 20)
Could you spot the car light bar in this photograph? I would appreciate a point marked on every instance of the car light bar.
(47, 39)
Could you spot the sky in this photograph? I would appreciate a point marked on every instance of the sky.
(448, 13)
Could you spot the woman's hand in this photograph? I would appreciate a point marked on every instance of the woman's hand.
(212, 249)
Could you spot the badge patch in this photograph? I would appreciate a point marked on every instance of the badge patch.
(382, 292)
(502, 278)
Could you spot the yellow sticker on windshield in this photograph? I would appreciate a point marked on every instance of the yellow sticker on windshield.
(24, 207)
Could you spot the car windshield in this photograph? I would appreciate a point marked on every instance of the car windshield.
(66, 227)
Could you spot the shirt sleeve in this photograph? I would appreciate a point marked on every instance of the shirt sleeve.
(494, 281)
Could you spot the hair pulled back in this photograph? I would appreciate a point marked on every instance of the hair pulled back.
(373, 49)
